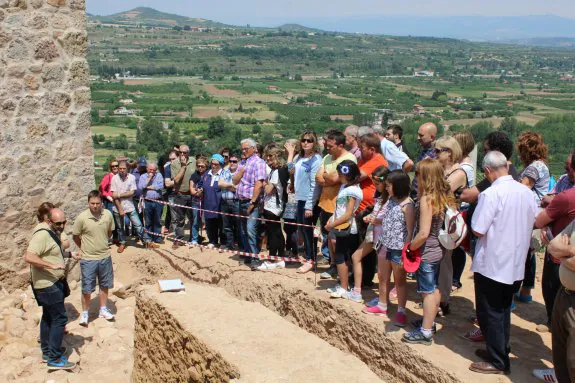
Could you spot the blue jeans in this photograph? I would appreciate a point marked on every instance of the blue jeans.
(249, 229)
(108, 205)
(54, 319)
(153, 218)
(196, 221)
(310, 243)
(179, 214)
(427, 277)
(231, 225)
(136, 224)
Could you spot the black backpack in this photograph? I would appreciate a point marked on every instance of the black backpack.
(283, 175)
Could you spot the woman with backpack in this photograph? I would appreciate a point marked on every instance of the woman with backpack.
(275, 197)
(450, 155)
(434, 196)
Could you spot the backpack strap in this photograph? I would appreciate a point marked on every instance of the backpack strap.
(58, 242)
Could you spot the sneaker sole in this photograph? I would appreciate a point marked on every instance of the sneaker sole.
(83, 324)
(54, 368)
(375, 314)
(424, 342)
(108, 319)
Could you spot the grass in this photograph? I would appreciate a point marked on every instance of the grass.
(113, 131)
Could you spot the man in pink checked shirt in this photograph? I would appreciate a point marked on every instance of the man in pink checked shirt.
(249, 181)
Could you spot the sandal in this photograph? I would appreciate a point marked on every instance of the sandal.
(305, 268)
(417, 337)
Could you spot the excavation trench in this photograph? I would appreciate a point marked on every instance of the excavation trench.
(169, 346)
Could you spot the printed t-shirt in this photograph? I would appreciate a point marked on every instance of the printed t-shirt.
(329, 193)
(367, 186)
(345, 193)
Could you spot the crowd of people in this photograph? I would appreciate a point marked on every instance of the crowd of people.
(346, 200)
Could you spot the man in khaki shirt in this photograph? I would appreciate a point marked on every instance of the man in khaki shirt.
(45, 256)
(182, 169)
(92, 229)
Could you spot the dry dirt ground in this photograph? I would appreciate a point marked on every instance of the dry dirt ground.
(104, 349)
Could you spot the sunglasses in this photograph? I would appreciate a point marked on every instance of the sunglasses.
(62, 223)
(201, 166)
(308, 140)
(185, 153)
(437, 151)
(378, 179)
(233, 161)
(114, 166)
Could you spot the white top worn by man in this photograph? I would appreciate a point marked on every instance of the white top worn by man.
(503, 221)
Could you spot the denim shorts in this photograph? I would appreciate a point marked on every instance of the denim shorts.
(102, 269)
(427, 276)
(394, 256)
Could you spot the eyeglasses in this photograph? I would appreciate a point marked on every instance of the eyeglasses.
(226, 156)
(308, 140)
(201, 166)
(437, 151)
(185, 153)
(233, 161)
(62, 223)
(114, 166)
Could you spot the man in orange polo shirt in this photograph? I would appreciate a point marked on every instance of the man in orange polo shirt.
(371, 159)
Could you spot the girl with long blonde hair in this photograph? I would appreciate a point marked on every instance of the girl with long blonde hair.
(434, 194)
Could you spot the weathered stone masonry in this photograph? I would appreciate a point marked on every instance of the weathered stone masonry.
(46, 151)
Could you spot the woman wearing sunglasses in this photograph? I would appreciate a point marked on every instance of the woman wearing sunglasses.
(304, 166)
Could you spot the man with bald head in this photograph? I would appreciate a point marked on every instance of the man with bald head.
(426, 138)
(151, 184)
(182, 169)
(351, 141)
(46, 258)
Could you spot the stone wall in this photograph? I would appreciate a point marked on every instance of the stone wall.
(46, 150)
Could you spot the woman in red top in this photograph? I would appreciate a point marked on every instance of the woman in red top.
(104, 188)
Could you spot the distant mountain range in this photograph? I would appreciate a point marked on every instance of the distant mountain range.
(151, 17)
(546, 30)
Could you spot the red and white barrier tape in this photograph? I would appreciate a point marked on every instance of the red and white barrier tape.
(228, 214)
(237, 252)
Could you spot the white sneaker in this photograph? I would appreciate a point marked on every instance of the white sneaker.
(333, 289)
(340, 292)
(210, 246)
(84, 319)
(106, 314)
(545, 375)
(280, 265)
(266, 266)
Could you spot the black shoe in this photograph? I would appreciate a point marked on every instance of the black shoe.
(444, 309)
(418, 322)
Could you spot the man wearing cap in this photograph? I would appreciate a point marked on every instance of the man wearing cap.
(562, 248)
(503, 222)
(152, 184)
(182, 169)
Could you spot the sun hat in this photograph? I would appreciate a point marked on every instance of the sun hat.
(410, 258)
(218, 157)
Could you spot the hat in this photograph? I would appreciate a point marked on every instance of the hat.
(142, 161)
(219, 158)
(411, 258)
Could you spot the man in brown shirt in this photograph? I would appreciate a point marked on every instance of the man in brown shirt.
(182, 169)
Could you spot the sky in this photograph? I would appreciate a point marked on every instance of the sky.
(275, 12)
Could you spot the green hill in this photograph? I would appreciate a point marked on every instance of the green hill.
(151, 17)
